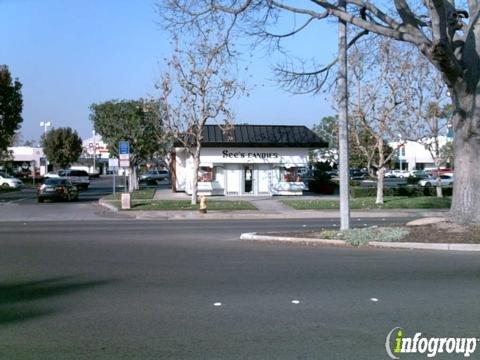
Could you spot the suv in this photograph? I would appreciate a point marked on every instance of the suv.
(79, 178)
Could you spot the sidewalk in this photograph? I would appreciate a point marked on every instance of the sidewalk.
(268, 208)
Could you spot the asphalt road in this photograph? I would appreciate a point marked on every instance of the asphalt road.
(146, 290)
(98, 188)
(22, 205)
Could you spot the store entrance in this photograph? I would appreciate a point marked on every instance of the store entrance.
(248, 179)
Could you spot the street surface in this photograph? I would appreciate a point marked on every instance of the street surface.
(146, 290)
(22, 205)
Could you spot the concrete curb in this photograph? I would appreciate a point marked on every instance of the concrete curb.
(107, 205)
(268, 238)
(396, 245)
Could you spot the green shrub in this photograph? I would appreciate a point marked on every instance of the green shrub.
(408, 191)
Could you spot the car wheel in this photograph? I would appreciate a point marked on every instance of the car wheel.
(428, 184)
(5, 185)
(40, 200)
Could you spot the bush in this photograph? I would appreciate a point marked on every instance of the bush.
(322, 186)
(409, 191)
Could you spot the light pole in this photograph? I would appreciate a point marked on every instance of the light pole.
(45, 125)
(94, 151)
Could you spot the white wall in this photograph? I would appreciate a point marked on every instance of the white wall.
(271, 157)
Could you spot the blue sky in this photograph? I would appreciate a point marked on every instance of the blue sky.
(71, 53)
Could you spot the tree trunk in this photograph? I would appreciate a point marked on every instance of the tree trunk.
(132, 179)
(466, 194)
(380, 178)
(380, 171)
(196, 166)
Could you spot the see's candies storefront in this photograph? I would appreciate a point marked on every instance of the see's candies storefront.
(250, 160)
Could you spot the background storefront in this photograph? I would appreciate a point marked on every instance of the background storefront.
(260, 160)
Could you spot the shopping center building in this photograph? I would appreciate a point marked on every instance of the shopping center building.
(247, 160)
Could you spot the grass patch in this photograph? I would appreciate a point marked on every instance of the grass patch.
(390, 202)
(185, 205)
(357, 237)
(136, 195)
(7, 190)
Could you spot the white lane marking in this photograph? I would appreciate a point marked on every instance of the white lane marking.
(295, 302)
(217, 304)
(304, 225)
(374, 299)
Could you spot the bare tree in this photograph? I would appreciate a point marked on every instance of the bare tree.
(380, 99)
(198, 89)
(429, 103)
(445, 35)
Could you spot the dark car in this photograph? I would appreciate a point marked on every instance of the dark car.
(57, 189)
(153, 176)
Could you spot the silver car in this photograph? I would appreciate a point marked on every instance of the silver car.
(445, 180)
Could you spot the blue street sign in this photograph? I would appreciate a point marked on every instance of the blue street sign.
(123, 148)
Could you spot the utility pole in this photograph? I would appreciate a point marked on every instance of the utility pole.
(45, 125)
(342, 99)
(94, 152)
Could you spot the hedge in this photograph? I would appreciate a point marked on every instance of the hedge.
(410, 191)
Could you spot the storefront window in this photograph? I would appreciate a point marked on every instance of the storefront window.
(206, 174)
(289, 174)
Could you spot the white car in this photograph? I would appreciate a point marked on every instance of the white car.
(396, 174)
(445, 180)
(7, 182)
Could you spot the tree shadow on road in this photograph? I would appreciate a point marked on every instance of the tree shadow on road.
(21, 301)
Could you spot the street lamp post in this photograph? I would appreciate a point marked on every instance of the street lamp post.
(45, 125)
(94, 151)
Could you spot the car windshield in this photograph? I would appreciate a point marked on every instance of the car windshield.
(54, 182)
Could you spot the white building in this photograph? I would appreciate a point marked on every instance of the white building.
(28, 158)
(415, 156)
(250, 160)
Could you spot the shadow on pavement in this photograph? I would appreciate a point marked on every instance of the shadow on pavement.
(18, 300)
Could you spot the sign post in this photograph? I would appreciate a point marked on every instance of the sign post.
(124, 157)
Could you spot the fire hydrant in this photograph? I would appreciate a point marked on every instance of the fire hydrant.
(203, 204)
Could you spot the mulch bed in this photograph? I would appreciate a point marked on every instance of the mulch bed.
(444, 232)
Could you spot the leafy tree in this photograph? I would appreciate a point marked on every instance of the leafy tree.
(445, 35)
(447, 154)
(136, 121)
(62, 146)
(359, 139)
(11, 104)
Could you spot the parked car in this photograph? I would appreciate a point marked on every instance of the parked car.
(445, 180)
(79, 178)
(153, 176)
(57, 189)
(395, 173)
(357, 174)
(7, 181)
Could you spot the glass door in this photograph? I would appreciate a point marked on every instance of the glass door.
(248, 179)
